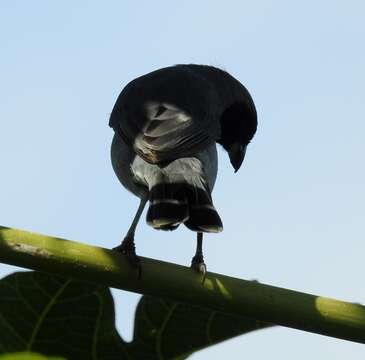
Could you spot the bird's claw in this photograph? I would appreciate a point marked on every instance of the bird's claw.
(129, 251)
(197, 263)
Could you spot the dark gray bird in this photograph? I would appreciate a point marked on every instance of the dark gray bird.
(167, 124)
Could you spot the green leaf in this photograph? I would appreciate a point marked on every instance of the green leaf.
(55, 316)
(165, 329)
(27, 356)
(74, 319)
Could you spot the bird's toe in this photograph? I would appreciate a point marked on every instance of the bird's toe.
(197, 263)
(129, 251)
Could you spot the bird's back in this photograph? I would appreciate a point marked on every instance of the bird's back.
(177, 111)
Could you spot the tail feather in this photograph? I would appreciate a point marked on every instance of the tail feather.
(204, 218)
(167, 214)
(172, 204)
(168, 207)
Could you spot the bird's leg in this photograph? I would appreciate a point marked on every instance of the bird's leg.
(197, 262)
(127, 247)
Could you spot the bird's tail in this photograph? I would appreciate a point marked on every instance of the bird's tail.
(172, 204)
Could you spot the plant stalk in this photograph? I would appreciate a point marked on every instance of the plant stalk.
(266, 303)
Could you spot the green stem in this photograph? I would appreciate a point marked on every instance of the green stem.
(241, 297)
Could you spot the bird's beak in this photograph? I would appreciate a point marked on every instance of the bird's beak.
(237, 154)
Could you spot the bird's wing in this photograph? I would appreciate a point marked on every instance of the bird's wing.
(177, 111)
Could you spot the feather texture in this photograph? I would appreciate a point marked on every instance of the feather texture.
(177, 111)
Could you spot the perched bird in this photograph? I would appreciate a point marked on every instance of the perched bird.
(166, 125)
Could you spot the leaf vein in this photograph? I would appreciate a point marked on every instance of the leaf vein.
(162, 329)
(12, 329)
(44, 313)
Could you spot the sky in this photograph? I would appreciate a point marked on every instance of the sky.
(293, 215)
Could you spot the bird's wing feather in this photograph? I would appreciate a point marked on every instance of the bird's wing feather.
(167, 114)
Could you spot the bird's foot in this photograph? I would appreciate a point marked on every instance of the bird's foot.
(128, 249)
(197, 263)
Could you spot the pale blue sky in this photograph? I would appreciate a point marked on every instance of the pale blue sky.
(293, 215)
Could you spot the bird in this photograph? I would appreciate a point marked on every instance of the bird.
(167, 124)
